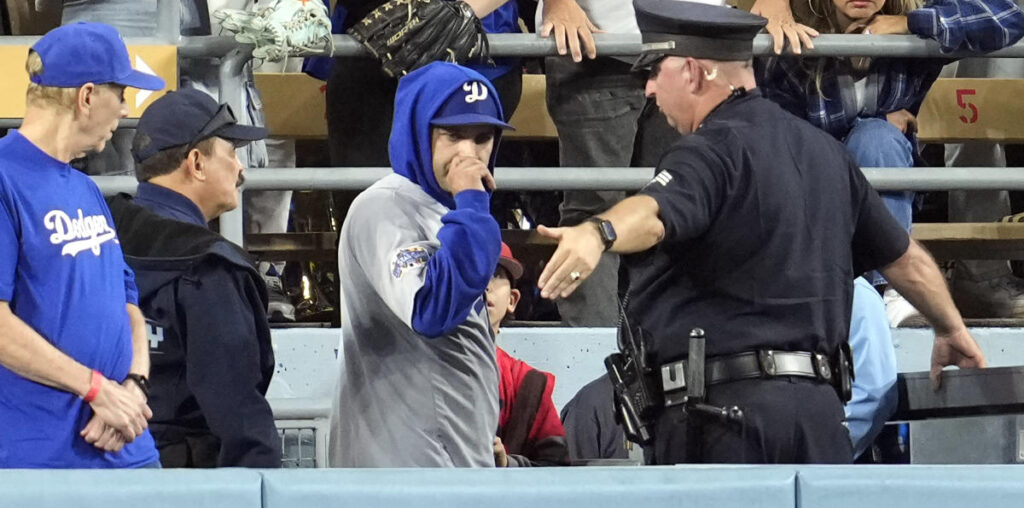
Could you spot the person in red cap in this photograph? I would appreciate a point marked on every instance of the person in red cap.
(529, 430)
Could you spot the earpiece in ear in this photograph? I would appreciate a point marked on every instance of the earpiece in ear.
(710, 76)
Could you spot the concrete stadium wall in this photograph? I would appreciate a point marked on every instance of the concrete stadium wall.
(307, 358)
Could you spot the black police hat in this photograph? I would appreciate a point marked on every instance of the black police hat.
(184, 118)
(673, 27)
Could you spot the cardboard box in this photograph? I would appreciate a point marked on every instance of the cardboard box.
(972, 110)
(160, 60)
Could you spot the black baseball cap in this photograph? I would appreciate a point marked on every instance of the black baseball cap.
(679, 28)
(185, 118)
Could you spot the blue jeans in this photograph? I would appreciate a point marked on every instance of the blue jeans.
(874, 142)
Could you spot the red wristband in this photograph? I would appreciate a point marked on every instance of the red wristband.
(94, 387)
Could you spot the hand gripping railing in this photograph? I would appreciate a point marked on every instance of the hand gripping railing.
(234, 56)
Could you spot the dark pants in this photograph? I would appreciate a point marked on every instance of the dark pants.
(603, 120)
(193, 452)
(786, 421)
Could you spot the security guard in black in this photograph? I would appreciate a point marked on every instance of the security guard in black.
(753, 228)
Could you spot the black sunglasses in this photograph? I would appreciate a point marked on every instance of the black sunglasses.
(650, 70)
(223, 117)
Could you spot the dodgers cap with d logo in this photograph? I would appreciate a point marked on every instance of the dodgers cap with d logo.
(471, 104)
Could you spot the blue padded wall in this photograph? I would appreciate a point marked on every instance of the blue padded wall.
(142, 488)
(581, 487)
(910, 487)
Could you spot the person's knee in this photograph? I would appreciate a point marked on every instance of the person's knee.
(875, 142)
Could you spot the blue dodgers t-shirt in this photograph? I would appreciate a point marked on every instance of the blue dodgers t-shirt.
(62, 270)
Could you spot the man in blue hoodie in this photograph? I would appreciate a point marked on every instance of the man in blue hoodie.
(419, 378)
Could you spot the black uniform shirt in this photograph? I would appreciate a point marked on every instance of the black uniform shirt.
(767, 222)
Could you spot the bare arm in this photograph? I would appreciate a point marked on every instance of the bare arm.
(140, 341)
(917, 278)
(636, 224)
(28, 354)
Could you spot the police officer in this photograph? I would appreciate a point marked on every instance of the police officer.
(753, 228)
(204, 301)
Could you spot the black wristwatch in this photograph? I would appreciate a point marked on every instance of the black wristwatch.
(605, 229)
(140, 381)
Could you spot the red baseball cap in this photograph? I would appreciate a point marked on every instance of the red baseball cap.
(509, 262)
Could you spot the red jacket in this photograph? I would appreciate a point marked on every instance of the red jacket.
(528, 424)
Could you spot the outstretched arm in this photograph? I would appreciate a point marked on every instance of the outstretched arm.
(636, 224)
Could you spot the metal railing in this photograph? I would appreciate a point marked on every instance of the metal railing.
(234, 56)
(534, 179)
(628, 179)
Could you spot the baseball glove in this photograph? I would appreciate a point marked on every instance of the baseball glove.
(281, 28)
(407, 34)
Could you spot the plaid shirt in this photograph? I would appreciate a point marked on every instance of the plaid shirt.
(892, 83)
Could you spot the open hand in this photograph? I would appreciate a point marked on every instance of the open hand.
(782, 26)
(571, 27)
(579, 250)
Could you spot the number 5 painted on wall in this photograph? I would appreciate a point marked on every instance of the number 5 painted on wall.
(967, 105)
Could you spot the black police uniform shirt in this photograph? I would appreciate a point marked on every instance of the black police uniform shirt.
(211, 354)
(768, 220)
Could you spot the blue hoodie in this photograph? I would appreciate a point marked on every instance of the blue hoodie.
(458, 273)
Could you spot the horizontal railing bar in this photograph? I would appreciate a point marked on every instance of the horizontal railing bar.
(538, 179)
(607, 45)
(14, 123)
(523, 45)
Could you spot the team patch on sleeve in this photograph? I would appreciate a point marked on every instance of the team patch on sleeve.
(409, 257)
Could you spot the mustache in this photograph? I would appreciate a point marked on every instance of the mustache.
(241, 180)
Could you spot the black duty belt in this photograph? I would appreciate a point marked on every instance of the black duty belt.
(750, 365)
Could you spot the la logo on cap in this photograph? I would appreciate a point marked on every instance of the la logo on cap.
(475, 91)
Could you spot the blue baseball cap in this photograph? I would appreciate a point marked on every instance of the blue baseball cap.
(185, 118)
(81, 53)
(471, 104)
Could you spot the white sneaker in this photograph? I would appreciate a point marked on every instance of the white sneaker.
(900, 312)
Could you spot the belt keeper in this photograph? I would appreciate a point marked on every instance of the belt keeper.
(767, 360)
(821, 365)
